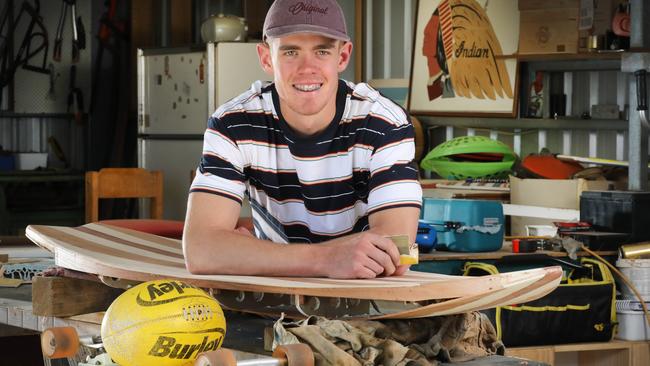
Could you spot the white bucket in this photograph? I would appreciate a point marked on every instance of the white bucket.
(638, 271)
(632, 325)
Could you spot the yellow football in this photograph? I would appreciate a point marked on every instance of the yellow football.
(164, 323)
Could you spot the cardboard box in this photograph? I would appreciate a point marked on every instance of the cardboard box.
(556, 193)
(553, 30)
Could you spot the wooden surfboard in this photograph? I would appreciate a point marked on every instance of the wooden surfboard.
(131, 255)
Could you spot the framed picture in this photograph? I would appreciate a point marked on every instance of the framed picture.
(464, 58)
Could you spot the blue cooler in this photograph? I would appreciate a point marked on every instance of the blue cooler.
(465, 225)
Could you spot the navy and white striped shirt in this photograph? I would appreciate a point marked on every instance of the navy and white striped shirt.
(315, 188)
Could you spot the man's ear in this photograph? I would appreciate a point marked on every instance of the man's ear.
(345, 53)
(264, 54)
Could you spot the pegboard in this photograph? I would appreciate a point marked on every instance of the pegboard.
(32, 90)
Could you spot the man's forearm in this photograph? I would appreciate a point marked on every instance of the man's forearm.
(230, 252)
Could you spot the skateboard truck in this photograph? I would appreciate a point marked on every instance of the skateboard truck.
(330, 306)
(298, 354)
(304, 305)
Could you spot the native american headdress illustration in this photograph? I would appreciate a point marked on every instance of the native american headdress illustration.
(463, 53)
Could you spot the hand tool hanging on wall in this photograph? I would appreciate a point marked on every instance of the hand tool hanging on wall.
(58, 151)
(111, 32)
(51, 92)
(78, 34)
(641, 97)
(75, 96)
(35, 30)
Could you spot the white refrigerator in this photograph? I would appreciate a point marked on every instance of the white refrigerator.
(178, 88)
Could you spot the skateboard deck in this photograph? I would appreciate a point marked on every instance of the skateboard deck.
(131, 255)
(597, 161)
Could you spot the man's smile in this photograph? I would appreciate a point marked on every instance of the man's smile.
(307, 87)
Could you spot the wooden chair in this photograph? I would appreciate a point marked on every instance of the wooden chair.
(123, 183)
(130, 183)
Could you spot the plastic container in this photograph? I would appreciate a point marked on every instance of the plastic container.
(541, 230)
(30, 161)
(465, 225)
(617, 211)
(7, 163)
(632, 325)
(638, 272)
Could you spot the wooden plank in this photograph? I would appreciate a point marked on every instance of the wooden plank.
(59, 296)
(10, 282)
(609, 357)
(640, 354)
(4, 258)
(592, 346)
(92, 318)
(542, 212)
(541, 354)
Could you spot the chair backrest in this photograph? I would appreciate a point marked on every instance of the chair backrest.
(123, 183)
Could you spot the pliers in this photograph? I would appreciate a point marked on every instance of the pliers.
(78, 34)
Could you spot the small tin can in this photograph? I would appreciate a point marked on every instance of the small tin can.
(635, 251)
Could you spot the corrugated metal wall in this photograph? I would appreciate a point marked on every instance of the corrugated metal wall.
(27, 134)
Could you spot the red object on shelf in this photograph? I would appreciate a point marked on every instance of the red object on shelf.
(550, 167)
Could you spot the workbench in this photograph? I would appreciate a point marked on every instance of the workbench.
(48, 197)
(451, 263)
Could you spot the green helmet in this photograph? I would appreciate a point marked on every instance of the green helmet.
(470, 157)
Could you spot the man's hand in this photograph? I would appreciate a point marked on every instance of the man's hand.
(365, 255)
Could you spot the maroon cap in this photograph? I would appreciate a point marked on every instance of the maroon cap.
(323, 17)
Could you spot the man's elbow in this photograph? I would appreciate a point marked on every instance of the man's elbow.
(194, 262)
(195, 268)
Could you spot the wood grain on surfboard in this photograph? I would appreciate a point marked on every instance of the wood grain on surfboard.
(128, 254)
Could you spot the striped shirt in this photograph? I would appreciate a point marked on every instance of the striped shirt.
(315, 188)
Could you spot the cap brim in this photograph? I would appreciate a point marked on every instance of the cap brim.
(305, 28)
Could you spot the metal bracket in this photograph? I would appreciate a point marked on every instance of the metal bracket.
(634, 61)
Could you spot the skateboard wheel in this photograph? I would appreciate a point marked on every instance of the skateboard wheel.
(220, 357)
(59, 342)
(296, 354)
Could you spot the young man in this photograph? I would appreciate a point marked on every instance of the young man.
(326, 163)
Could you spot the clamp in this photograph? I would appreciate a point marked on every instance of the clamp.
(78, 34)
